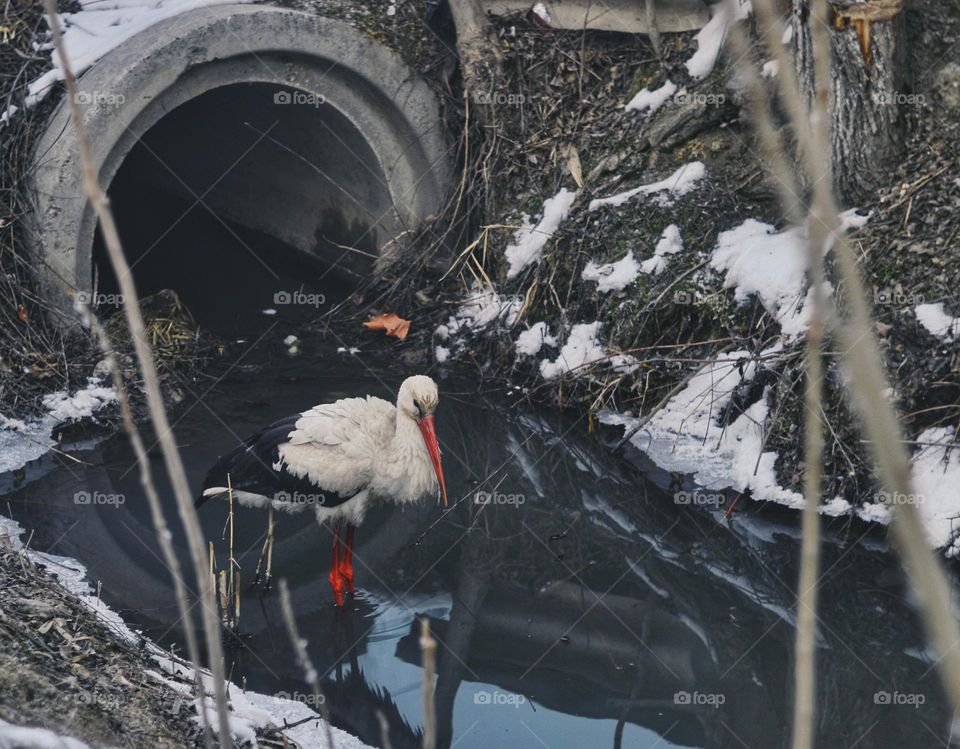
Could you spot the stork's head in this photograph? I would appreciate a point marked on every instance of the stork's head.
(418, 399)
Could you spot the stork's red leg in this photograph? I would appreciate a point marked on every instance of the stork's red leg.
(336, 580)
(346, 568)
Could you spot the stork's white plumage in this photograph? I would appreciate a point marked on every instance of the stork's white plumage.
(337, 458)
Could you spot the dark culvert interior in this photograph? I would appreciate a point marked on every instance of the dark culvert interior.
(243, 193)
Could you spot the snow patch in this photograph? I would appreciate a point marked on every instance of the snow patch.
(479, 309)
(583, 348)
(529, 241)
(670, 244)
(676, 185)
(99, 27)
(22, 442)
(685, 437)
(772, 265)
(23, 737)
(613, 276)
(937, 321)
(936, 476)
(646, 99)
(710, 37)
(80, 405)
(759, 261)
(530, 341)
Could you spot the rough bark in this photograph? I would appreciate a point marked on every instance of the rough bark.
(870, 91)
(481, 60)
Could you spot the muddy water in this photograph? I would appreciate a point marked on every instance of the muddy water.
(575, 605)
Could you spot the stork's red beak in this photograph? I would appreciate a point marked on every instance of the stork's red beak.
(430, 440)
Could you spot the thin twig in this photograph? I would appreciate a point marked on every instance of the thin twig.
(174, 464)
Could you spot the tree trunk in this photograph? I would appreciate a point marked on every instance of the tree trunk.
(869, 94)
(481, 61)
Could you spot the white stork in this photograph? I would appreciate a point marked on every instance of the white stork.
(336, 458)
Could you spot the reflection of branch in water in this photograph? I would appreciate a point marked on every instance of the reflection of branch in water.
(473, 582)
(300, 648)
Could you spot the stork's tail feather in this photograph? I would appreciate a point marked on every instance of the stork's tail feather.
(249, 468)
(208, 493)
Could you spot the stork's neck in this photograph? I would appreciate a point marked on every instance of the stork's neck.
(407, 439)
(404, 472)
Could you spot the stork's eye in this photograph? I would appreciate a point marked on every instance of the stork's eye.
(416, 405)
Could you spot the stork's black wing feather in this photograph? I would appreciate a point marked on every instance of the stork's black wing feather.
(250, 467)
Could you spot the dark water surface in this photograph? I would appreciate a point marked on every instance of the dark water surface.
(581, 608)
(586, 610)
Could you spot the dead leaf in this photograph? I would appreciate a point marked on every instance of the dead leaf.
(390, 322)
(22, 313)
(46, 626)
(573, 164)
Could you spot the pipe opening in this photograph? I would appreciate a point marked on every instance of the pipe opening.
(245, 192)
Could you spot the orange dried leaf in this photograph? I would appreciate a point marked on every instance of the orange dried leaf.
(22, 313)
(390, 322)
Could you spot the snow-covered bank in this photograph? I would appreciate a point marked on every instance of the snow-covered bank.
(747, 269)
(685, 437)
(21, 442)
(249, 712)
